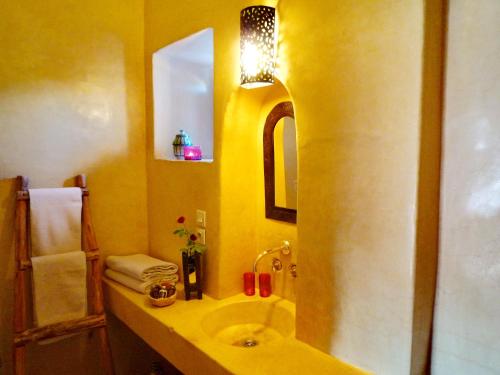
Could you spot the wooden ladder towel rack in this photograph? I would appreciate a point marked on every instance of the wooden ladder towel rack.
(96, 318)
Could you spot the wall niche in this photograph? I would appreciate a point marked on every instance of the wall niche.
(183, 81)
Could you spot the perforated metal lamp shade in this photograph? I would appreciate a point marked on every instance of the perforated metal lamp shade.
(257, 46)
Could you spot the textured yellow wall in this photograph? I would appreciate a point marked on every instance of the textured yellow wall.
(176, 188)
(354, 71)
(72, 101)
(231, 188)
(356, 85)
(270, 233)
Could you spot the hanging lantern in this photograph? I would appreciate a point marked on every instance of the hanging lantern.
(257, 46)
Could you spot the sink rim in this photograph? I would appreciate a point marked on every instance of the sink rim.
(277, 315)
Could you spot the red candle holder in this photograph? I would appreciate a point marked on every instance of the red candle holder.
(264, 284)
(249, 283)
(192, 153)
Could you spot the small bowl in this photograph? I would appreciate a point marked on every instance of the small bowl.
(161, 302)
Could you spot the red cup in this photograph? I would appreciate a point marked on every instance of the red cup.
(249, 283)
(265, 284)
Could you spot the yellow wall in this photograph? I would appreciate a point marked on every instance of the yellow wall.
(270, 233)
(176, 188)
(354, 71)
(356, 85)
(231, 188)
(72, 101)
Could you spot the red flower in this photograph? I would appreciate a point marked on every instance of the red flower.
(193, 237)
(181, 219)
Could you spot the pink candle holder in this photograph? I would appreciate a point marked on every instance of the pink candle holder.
(192, 153)
(249, 283)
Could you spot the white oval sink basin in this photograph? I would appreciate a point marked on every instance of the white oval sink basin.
(249, 324)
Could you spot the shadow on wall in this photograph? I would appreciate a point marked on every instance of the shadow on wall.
(427, 236)
(135, 357)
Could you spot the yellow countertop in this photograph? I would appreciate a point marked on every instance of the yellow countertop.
(175, 332)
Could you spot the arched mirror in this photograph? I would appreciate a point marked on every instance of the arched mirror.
(280, 163)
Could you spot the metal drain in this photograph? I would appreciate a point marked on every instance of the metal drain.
(248, 343)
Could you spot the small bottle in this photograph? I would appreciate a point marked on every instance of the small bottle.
(249, 283)
(264, 284)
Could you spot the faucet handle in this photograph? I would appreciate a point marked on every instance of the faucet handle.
(277, 265)
(292, 267)
(285, 247)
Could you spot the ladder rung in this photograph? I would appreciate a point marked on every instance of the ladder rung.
(90, 254)
(59, 329)
(24, 195)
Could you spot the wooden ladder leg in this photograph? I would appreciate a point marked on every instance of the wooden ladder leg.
(19, 354)
(106, 357)
(96, 296)
(20, 305)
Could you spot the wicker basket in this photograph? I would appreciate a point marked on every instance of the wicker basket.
(161, 302)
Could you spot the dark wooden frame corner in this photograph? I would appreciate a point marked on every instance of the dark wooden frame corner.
(283, 109)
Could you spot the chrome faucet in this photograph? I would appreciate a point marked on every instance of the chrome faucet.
(284, 248)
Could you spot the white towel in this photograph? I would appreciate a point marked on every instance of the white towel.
(141, 266)
(56, 217)
(137, 285)
(59, 287)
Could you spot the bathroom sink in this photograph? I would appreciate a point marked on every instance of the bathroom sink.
(249, 324)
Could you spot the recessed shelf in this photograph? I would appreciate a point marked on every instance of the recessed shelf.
(183, 94)
(192, 161)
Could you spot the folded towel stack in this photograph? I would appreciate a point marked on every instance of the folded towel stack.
(139, 271)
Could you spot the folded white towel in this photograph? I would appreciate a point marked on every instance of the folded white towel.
(137, 285)
(141, 266)
(59, 287)
(55, 216)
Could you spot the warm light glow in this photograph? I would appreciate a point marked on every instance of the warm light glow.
(250, 59)
(257, 46)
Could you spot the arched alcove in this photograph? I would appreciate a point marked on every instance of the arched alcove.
(183, 81)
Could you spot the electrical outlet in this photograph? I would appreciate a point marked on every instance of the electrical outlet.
(201, 218)
(201, 235)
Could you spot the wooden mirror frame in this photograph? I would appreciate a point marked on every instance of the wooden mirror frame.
(283, 109)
